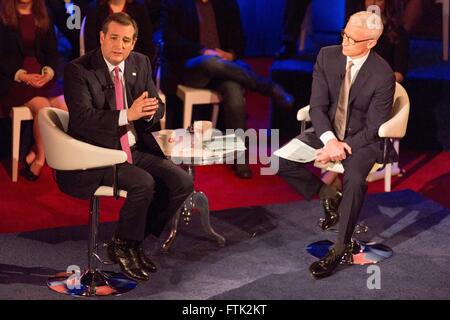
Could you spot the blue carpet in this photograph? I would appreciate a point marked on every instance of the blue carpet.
(265, 257)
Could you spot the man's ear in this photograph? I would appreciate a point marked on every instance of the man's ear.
(134, 42)
(371, 44)
(102, 37)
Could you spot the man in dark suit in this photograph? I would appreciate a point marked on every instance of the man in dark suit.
(113, 103)
(203, 40)
(345, 128)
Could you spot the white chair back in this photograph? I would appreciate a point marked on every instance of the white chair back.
(66, 153)
(396, 126)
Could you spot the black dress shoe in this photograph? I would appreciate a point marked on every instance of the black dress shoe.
(125, 254)
(27, 173)
(243, 171)
(281, 98)
(326, 266)
(145, 262)
(330, 208)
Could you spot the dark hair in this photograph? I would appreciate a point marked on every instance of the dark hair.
(9, 15)
(123, 19)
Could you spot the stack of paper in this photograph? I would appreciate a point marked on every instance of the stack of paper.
(225, 142)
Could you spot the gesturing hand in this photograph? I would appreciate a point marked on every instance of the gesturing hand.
(142, 107)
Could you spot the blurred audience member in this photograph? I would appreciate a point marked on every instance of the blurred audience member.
(28, 60)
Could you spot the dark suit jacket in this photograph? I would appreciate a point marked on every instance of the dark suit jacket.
(180, 27)
(97, 15)
(93, 118)
(12, 53)
(370, 101)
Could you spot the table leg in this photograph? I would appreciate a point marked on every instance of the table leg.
(200, 202)
(197, 201)
(173, 232)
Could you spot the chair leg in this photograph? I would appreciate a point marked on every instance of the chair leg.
(387, 177)
(187, 113)
(445, 28)
(16, 124)
(92, 282)
(215, 115)
(93, 225)
(162, 122)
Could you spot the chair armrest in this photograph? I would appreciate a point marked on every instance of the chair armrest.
(395, 127)
(303, 114)
(66, 153)
(78, 155)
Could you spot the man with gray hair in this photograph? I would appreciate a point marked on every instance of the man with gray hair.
(352, 94)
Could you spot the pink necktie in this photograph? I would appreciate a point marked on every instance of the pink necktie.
(118, 89)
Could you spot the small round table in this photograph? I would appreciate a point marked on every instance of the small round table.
(190, 153)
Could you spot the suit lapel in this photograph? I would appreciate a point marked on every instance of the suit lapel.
(340, 73)
(361, 78)
(104, 78)
(130, 79)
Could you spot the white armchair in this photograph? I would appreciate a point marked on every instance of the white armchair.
(66, 153)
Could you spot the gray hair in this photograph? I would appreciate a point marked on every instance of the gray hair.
(369, 21)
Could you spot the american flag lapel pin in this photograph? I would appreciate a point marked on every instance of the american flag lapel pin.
(134, 74)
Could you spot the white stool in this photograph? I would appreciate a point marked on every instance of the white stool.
(191, 96)
(18, 114)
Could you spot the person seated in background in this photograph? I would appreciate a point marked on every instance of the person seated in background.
(28, 60)
(351, 97)
(101, 9)
(294, 13)
(203, 41)
(113, 103)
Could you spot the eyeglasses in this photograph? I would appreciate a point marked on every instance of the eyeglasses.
(350, 40)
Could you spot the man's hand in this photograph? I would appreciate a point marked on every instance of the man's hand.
(322, 156)
(225, 55)
(336, 150)
(142, 107)
(43, 80)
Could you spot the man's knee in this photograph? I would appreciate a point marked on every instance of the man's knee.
(144, 186)
(211, 63)
(284, 166)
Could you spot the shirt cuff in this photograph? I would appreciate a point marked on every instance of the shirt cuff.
(123, 118)
(327, 136)
(48, 70)
(18, 73)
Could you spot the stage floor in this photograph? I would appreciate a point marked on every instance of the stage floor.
(265, 257)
